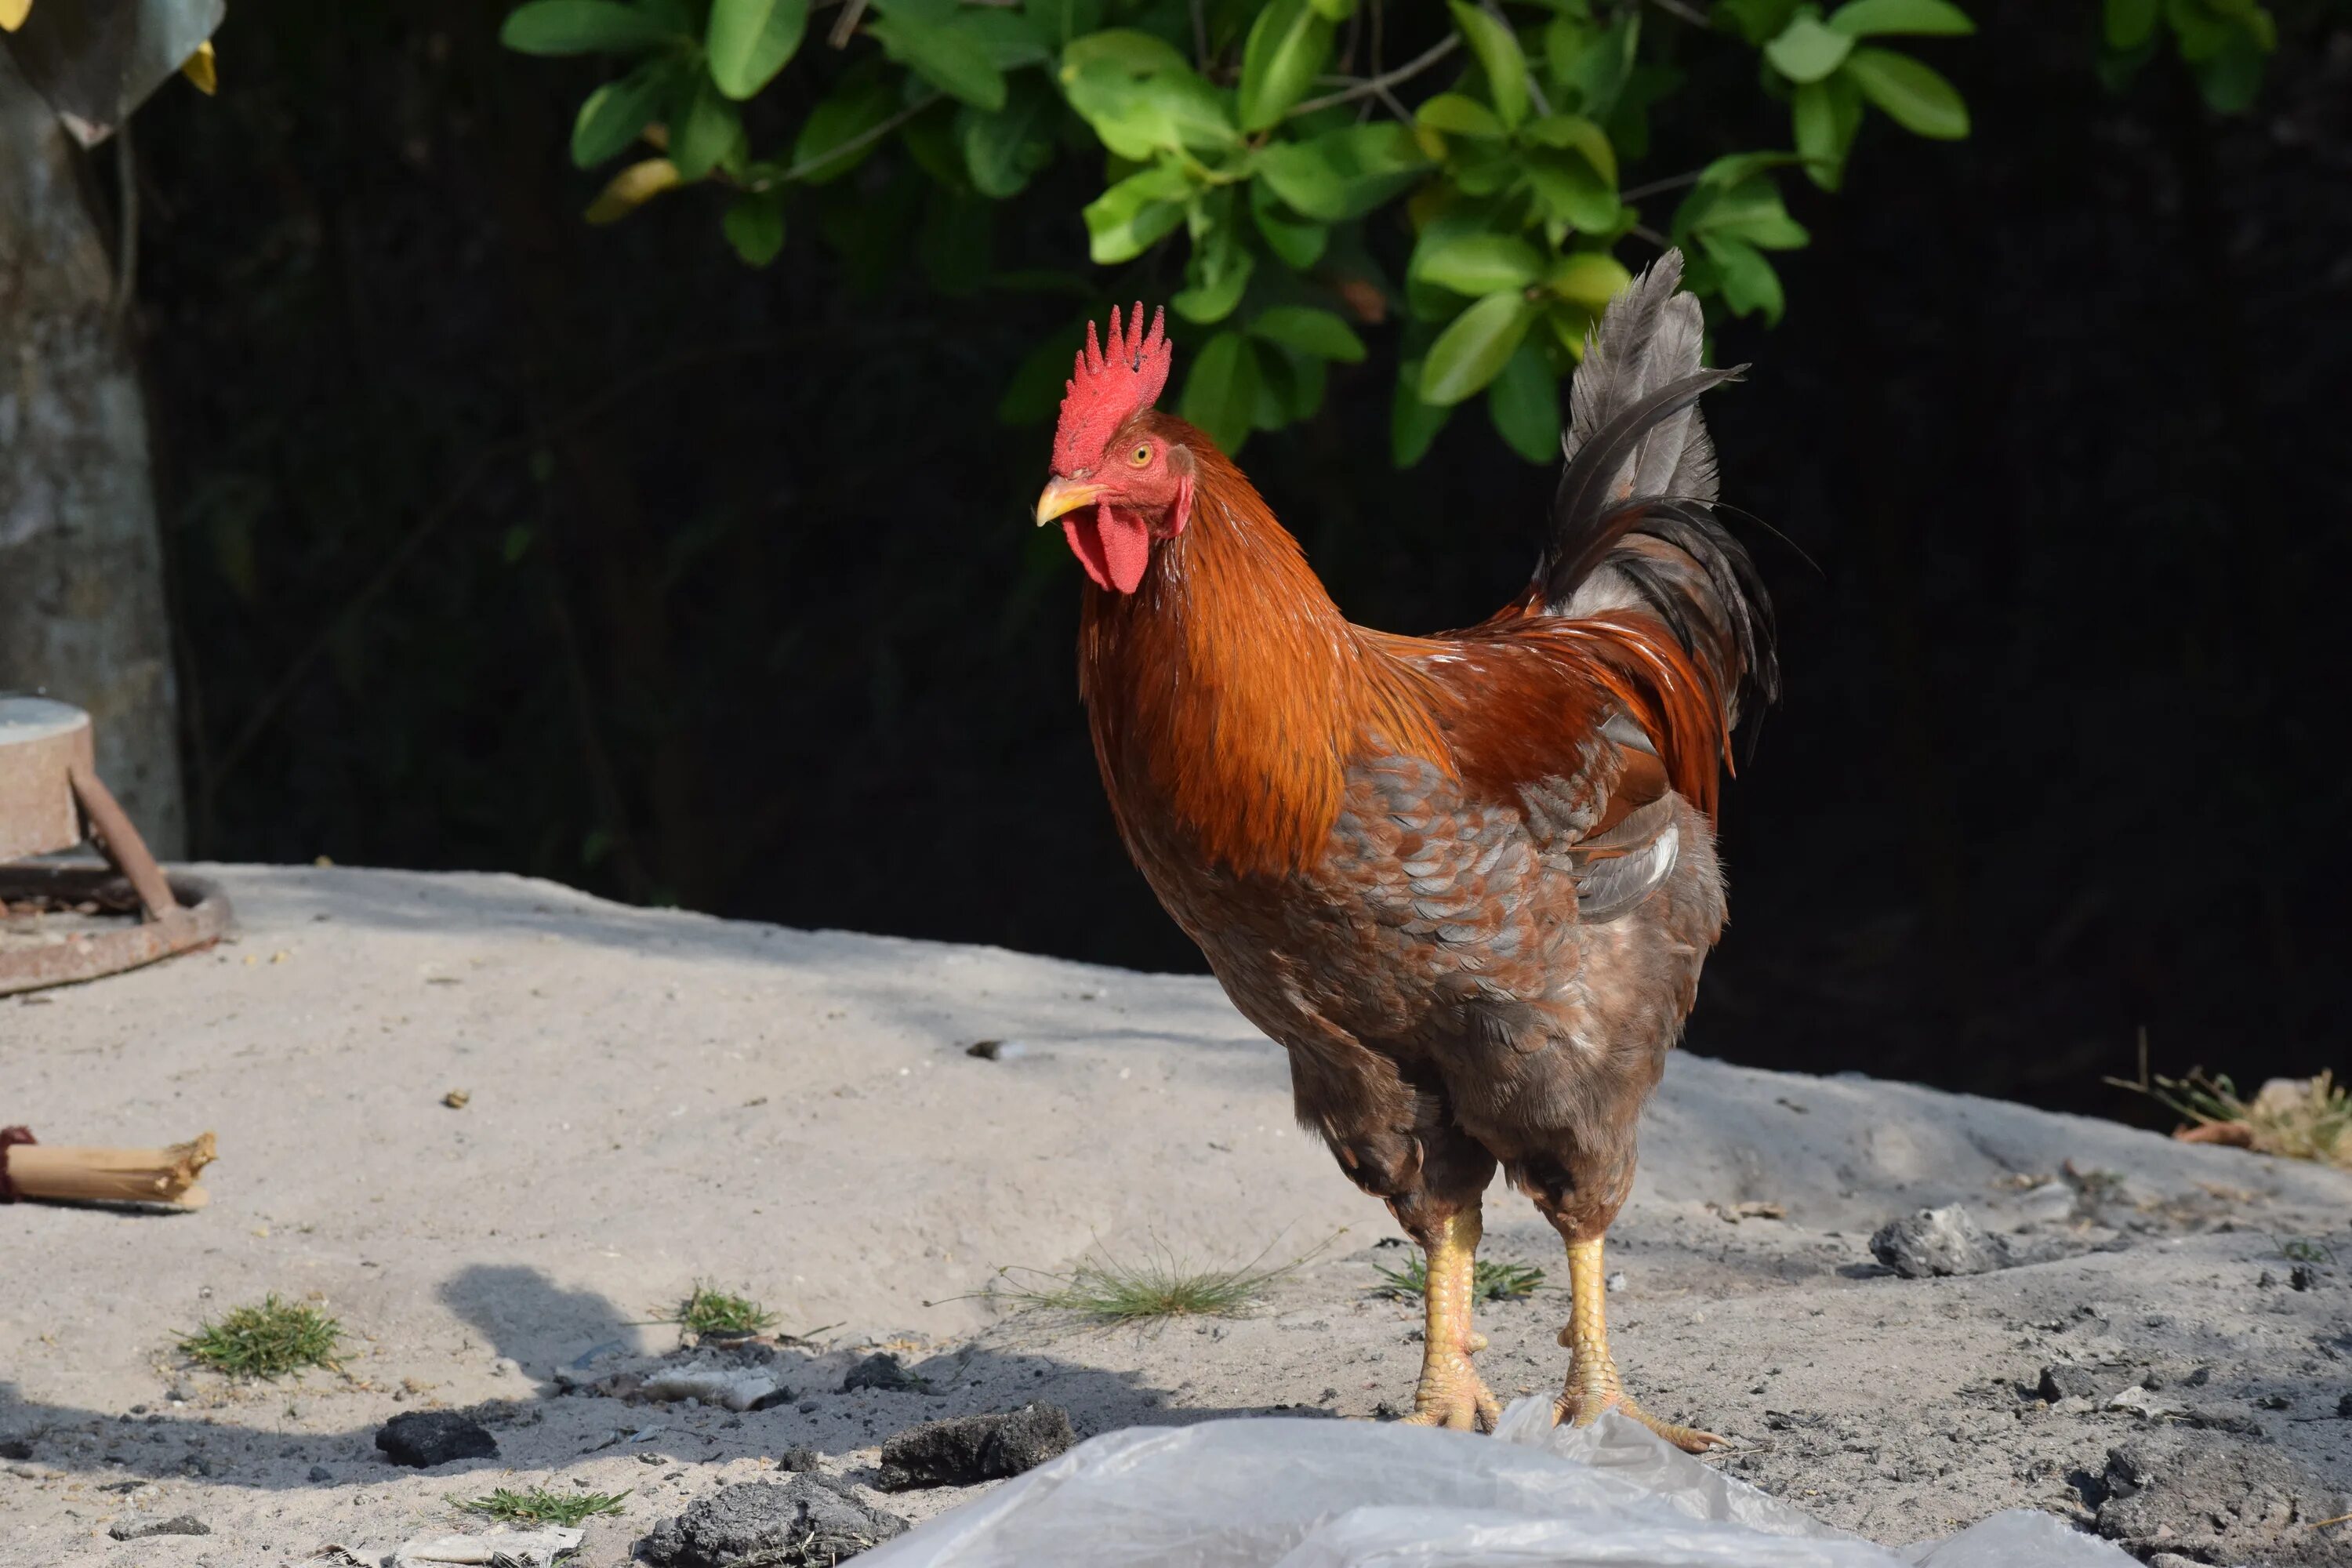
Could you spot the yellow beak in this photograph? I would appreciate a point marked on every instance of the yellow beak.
(1065, 495)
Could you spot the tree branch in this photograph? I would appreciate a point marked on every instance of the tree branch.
(1691, 14)
(1379, 85)
(1670, 183)
(801, 169)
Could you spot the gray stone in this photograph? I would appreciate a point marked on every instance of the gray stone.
(964, 1451)
(1936, 1242)
(882, 1370)
(805, 1521)
(422, 1439)
(140, 1529)
(2064, 1380)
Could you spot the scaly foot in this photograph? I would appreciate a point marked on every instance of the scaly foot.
(1450, 1393)
(1593, 1385)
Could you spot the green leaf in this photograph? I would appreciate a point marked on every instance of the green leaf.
(1004, 148)
(1567, 191)
(1412, 424)
(2130, 23)
(1342, 174)
(615, 112)
(1920, 18)
(1472, 351)
(2202, 31)
(630, 189)
(1287, 45)
(1751, 211)
(754, 225)
(1141, 96)
(749, 41)
(1589, 277)
(1497, 51)
(1290, 386)
(1912, 94)
(1758, 19)
(1575, 134)
(1826, 114)
(1335, 10)
(2232, 79)
(1221, 393)
(1478, 264)
(1749, 284)
(1808, 51)
(583, 27)
(1524, 403)
(859, 104)
(1036, 388)
(1296, 241)
(1311, 332)
(929, 42)
(1136, 214)
(1214, 279)
(1591, 68)
(711, 132)
(1453, 114)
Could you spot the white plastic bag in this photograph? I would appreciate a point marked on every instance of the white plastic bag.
(1286, 1493)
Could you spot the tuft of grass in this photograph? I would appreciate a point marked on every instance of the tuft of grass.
(541, 1506)
(267, 1340)
(708, 1314)
(2301, 1249)
(1108, 1291)
(2294, 1119)
(1488, 1281)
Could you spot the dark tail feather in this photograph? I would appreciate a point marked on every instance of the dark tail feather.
(1633, 526)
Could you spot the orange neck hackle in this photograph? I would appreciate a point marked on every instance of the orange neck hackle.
(1228, 689)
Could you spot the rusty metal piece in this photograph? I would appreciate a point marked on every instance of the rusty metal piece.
(120, 843)
(198, 917)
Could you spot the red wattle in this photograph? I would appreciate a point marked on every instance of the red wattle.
(1114, 547)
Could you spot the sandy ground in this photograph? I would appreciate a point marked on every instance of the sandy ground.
(659, 1098)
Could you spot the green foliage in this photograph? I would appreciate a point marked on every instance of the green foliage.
(2222, 42)
(267, 1340)
(1488, 1282)
(706, 1313)
(1108, 1291)
(1295, 171)
(541, 1505)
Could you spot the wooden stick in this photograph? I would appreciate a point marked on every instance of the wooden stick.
(59, 1174)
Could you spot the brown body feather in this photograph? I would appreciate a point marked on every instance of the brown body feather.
(1389, 847)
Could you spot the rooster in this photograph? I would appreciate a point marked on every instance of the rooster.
(1467, 881)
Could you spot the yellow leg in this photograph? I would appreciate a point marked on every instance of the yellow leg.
(1450, 1393)
(1592, 1381)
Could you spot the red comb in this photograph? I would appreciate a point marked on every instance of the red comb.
(1105, 390)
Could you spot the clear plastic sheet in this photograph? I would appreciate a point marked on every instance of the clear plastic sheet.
(1286, 1493)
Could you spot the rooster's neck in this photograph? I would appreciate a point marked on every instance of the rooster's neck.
(1227, 694)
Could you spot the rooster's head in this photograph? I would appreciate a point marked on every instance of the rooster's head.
(1122, 477)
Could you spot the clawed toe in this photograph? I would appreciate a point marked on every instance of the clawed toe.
(1578, 1409)
(1458, 1400)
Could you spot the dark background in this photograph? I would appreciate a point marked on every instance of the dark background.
(498, 541)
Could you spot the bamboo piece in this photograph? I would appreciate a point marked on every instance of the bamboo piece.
(63, 1174)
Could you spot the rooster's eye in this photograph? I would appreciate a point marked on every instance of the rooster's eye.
(1141, 456)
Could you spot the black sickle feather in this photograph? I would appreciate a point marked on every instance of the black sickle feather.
(1578, 538)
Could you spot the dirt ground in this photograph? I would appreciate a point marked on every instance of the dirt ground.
(655, 1099)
